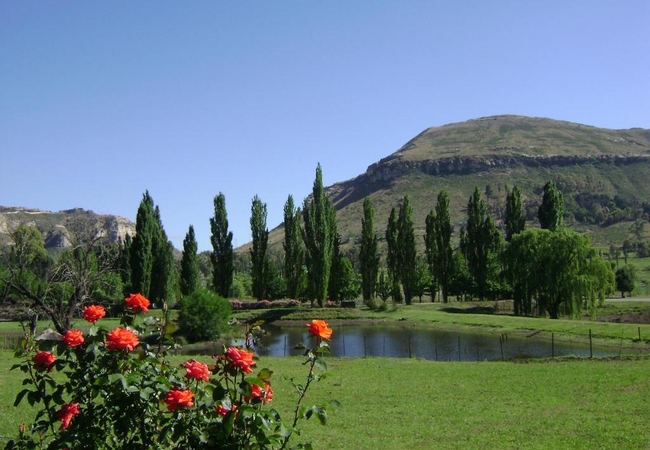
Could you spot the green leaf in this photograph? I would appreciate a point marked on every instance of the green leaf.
(321, 364)
(335, 403)
(265, 374)
(20, 396)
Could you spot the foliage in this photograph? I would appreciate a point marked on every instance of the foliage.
(319, 217)
(393, 256)
(260, 235)
(222, 252)
(556, 273)
(138, 399)
(141, 247)
(368, 256)
(480, 246)
(163, 273)
(438, 246)
(515, 220)
(190, 275)
(203, 316)
(293, 251)
(551, 210)
(406, 250)
(625, 279)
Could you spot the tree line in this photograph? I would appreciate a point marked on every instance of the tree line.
(549, 270)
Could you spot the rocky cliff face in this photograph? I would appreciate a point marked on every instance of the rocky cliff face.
(54, 225)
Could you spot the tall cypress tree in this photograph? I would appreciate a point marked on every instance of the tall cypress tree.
(551, 210)
(515, 219)
(189, 280)
(260, 235)
(162, 268)
(393, 256)
(293, 252)
(480, 244)
(443, 265)
(407, 252)
(368, 257)
(141, 248)
(222, 252)
(317, 215)
(430, 250)
(124, 263)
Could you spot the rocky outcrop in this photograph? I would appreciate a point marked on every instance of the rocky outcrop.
(54, 225)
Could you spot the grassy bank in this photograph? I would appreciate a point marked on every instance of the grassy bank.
(417, 404)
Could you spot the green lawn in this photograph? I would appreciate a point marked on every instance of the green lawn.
(416, 404)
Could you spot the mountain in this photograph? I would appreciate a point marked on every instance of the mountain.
(602, 173)
(53, 225)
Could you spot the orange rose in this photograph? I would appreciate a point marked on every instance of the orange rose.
(177, 397)
(240, 359)
(222, 410)
(259, 394)
(197, 370)
(66, 413)
(137, 303)
(93, 313)
(121, 339)
(320, 329)
(73, 338)
(43, 361)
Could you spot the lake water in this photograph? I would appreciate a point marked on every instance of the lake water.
(403, 342)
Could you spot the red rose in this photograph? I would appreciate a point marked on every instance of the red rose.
(239, 358)
(66, 413)
(222, 410)
(137, 303)
(121, 339)
(259, 394)
(43, 361)
(177, 397)
(93, 313)
(73, 338)
(197, 370)
(320, 329)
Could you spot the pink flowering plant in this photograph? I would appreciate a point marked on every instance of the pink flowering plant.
(116, 389)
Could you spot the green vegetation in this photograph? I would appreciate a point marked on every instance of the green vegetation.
(222, 252)
(368, 257)
(259, 260)
(203, 316)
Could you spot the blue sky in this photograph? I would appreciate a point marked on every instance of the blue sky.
(100, 101)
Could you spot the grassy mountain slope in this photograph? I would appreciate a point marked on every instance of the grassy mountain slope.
(602, 173)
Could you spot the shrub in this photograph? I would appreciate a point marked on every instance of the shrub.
(137, 399)
(203, 316)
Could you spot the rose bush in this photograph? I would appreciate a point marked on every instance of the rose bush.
(117, 389)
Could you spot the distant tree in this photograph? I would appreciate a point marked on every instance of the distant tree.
(368, 256)
(438, 245)
(625, 280)
(276, 287)
(347, 281)
(141, 248)
(393, 256)
(162, 268)
(557, 272)
(319, 240)
(124, 263)
(190, 275)
(551, 210)
(481, 245)
(384, 286)
(422, 278)
(203, 316)
(260, 235)
(515, 219)
(336, 282)
(222, 251)
(293, 251)
(407, 251)
(461, 282)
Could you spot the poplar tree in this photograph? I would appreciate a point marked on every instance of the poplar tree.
(293, 252)
(407, 252)
(443, 255)
(141, 248)
(124, 263)
(222, 252)
(551, 210)
(392, 256)
(260, 236)
(368, 257)
(515, 219)
(480, 244)
(189, 280)
(162, 267)
(317, 214)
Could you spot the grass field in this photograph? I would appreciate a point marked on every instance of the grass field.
(416, 404)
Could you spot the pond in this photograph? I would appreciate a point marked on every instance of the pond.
(396, 341)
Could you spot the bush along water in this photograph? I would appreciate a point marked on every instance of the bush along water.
(117, 389)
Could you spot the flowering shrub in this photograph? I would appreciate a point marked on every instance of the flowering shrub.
(118, 390)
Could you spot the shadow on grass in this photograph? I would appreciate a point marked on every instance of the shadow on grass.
(470, 310)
